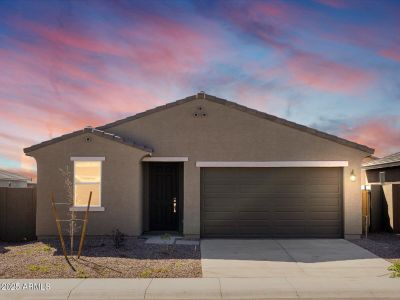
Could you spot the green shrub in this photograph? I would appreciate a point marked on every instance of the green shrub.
(395, 268)
(81, 274)
(146, 273)
(166, 237)
(46, 248)
(36, 268)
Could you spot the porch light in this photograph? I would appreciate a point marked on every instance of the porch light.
(352, 176)
(365, 187)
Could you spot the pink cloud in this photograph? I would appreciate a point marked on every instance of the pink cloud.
(273, 9)
(79, 84)
(320, 73)
(156, 46)
(61, 35)
(383, 134)
(391, 54)
(334, 3)
(72, 92)
(15, 139)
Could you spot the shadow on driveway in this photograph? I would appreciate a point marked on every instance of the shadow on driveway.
(291, 257)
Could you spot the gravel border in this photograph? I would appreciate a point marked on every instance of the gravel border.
(134, 259)
(385, 245)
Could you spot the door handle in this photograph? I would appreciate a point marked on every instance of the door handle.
(174, 204)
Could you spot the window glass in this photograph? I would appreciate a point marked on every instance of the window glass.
(82, 192)
(87, 178)
(87, 171)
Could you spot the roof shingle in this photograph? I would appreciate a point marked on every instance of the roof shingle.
(391, 160)
(251, 111)
(100, 130)
(94, 131)
(9, 176)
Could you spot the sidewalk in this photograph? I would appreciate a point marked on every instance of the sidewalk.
(207, 288)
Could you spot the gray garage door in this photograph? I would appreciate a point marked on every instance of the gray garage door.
(271, 202)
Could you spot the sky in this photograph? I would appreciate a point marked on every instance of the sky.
(333, 65)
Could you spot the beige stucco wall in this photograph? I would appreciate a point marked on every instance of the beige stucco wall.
(227, 134)
(121, 185)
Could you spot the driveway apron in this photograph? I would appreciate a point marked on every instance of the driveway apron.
(305, 258)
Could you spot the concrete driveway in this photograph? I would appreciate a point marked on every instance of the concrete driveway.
(332, 258)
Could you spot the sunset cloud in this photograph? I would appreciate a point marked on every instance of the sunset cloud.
(391, 54)
(89, 63)
(329, 76)
(334, 3)
(383, 134)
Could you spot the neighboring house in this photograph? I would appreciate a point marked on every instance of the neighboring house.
(8, 179)
(208, 167)
(383, 178)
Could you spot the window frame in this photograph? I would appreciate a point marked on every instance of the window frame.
(99, 207)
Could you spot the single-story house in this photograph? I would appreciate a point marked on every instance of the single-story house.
(382, 179)
(204, 167)
(9, 179)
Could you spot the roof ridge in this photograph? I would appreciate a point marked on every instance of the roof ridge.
(100, 130)
(147, 112)
(95, 131)
(203, 95)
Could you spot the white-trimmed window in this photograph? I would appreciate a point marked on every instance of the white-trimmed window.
(87, 178)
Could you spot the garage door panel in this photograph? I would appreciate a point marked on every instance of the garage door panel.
(253, 205)
(254, 215)
(219, 215)
(254, 223)
(217, 202)
(255, 231)
(328, 200)
(328, 223)
(325, 216)
(270, 189)
(210, 230)
(324, 230)
(289, 230)
(290, 215)
(271, 202)
(220, 223)
(266, 181)
(320, 208)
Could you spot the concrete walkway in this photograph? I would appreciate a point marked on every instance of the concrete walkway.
(210, 288)
(302, 258)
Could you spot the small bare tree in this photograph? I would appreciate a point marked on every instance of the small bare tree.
(68, 185)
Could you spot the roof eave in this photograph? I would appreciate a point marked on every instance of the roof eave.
(248, 110)
(221, 101)
(291, 124)
(381, 166)
(89, 130)
(14, 179)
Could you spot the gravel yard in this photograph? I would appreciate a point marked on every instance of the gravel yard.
(385, 245)
(100, 260)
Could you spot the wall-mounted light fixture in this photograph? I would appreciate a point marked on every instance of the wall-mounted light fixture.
(352, 176)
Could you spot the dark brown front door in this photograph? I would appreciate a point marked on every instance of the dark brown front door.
(163, 194)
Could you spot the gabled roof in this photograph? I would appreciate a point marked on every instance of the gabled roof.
(97, 132)
(391, 160)
(245, 109)
(9, 176)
